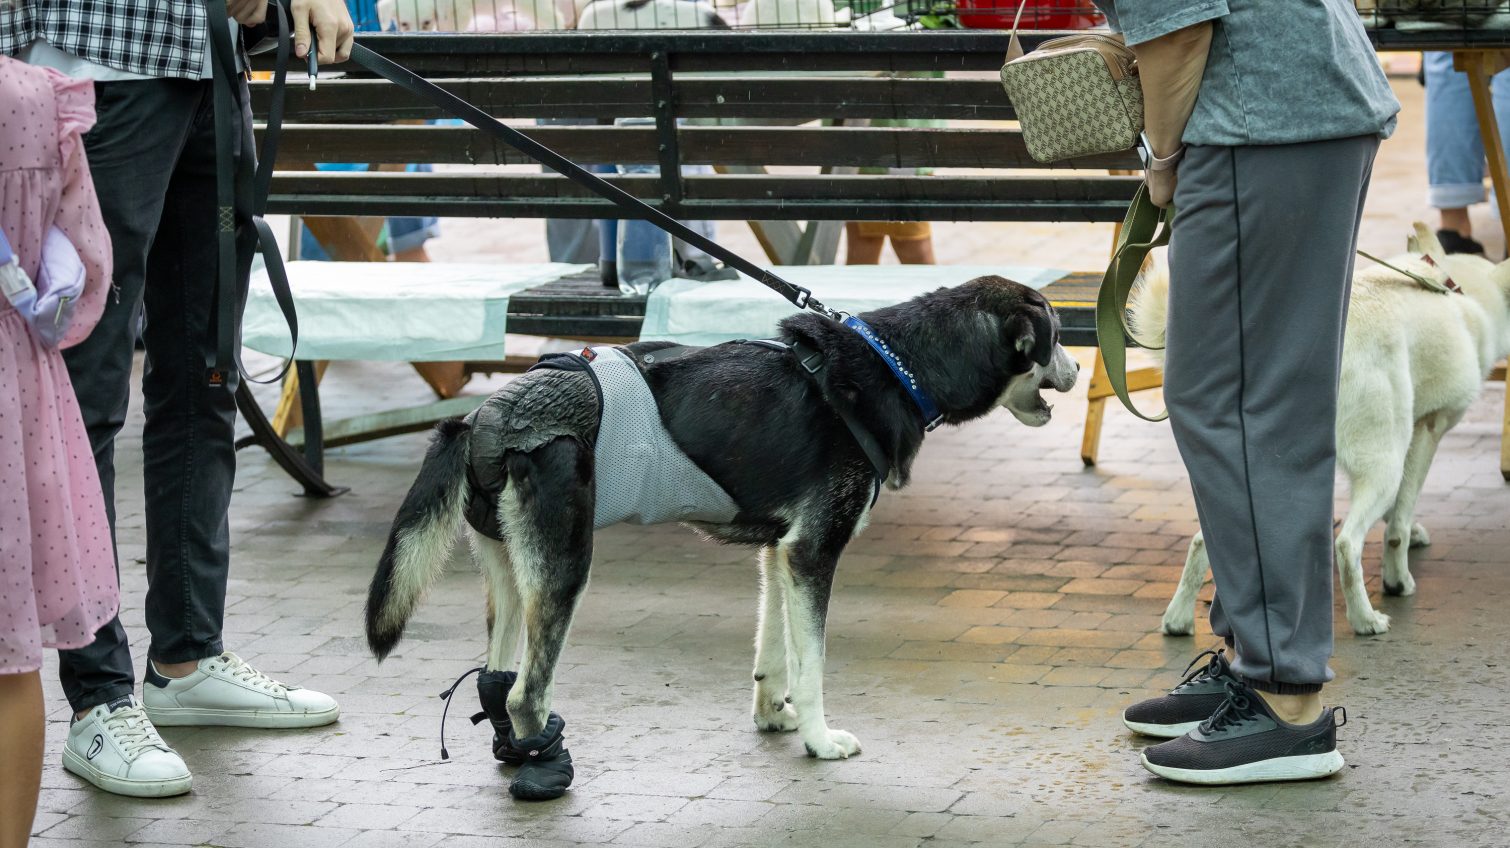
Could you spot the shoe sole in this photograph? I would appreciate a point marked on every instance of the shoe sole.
(1305, 767)
(1161, 731)
(209, 717)
(125, 785)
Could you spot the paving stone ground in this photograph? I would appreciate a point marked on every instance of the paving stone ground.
(985, 633)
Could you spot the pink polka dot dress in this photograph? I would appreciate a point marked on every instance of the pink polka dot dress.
(57, 567)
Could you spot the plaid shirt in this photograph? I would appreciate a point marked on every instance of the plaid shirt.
(159, 38)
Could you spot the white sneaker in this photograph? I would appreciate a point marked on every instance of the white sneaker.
(116, 748)
(224, 690)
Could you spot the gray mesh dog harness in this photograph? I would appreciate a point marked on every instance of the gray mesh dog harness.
(642, 476)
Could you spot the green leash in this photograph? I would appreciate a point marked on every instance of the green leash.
(1145, 228)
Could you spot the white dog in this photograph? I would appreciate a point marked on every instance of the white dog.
(1413, 360)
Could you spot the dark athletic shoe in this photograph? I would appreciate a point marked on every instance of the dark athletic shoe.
(1186, 705)
(1244, 742)
(1455, 242)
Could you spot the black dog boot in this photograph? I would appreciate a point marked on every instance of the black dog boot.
(547, 768)
(493, 690)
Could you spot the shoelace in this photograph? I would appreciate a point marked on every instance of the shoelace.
(132, 731)
(1235, 710)
(1210, 669)
(238, 669)
(446, 696)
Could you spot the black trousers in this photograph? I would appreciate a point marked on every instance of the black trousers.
(152, 155)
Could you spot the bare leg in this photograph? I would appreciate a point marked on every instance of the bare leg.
(21, 716)
(1457, 219)
(914, 251)
(861, 249)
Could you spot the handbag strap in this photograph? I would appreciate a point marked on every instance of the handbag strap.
(1145, 227)
(1014, 46)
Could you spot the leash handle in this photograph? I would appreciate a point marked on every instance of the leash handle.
(1135, 240)
(406, 79)
(242, 184)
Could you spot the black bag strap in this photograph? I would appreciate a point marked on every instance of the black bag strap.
(415, 84)
(241, 191)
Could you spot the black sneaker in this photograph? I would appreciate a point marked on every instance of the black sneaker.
(1244, 742)
(1455, 242)
(1186, 705)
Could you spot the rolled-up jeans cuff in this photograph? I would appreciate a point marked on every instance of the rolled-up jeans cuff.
(1455, 195)
(188, 653)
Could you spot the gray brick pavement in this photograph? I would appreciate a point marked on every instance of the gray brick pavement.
(985, 632)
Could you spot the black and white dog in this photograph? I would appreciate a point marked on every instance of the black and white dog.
(770, 429)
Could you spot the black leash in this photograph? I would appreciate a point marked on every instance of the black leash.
(417, 85)
(241, 191)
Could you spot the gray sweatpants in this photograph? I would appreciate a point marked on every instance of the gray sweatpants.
(1260, 262)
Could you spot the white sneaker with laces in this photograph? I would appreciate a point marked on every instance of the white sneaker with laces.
(224, 690)
(115, 747)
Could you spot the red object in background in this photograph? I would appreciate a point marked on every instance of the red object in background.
(1039, 14)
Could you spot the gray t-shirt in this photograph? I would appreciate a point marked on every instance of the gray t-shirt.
(1279, 71)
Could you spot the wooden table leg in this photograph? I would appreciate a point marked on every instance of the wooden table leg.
(1481, 66)
(1095, 410)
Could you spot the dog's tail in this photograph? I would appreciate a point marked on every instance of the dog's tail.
(1148, 308)
(421, 539)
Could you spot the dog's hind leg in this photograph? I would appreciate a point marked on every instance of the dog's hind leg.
(1179, 616)
(805, 572)
(504, 609)
(772, 711)
(547, 509)
(1373, 492)
(1400, 531)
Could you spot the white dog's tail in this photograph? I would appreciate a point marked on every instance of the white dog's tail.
(420, 542)
(1148, 308)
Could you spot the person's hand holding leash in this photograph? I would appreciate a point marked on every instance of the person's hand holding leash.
(330, 21)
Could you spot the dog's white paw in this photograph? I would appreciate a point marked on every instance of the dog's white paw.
(1406, 585)
(1370, 623)
(774, 720)
(1175, 624)
(1419, 538)
(837, 745)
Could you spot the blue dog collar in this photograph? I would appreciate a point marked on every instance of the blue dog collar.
(931, 416)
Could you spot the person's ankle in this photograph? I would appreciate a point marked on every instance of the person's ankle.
(1458, 221)
(174, 671)
(1294, 709)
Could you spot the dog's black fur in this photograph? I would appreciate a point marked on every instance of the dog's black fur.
(766, 431)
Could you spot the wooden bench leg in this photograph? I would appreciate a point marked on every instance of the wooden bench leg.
(290, 411)
(1481, 66)
(1095, 409)
(1505, 430)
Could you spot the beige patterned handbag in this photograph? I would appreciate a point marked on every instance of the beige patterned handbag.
(1074, 96)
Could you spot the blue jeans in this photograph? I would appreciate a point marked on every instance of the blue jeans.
(1454, 150)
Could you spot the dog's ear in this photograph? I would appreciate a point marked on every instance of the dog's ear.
(1031, 332)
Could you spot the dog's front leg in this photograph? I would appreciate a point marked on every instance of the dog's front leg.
(772, 710)
(1179, 617)
(807, 576)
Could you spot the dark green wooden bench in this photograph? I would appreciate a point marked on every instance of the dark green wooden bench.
(743, 102)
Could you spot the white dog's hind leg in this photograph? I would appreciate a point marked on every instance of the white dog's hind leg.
(772, 712)
(1373, 492)
(806, 610)
(1400, 532)
(1179, 616)
(504, 621)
